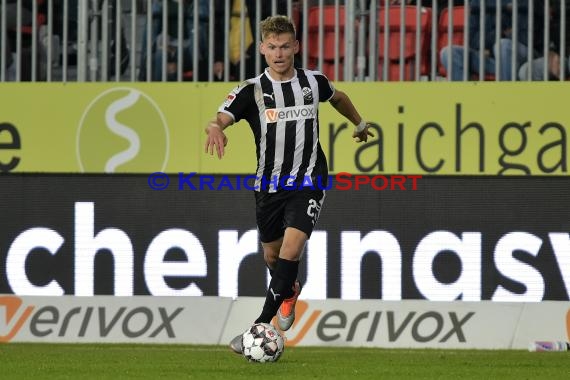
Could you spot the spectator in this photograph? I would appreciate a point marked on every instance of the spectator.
(98, 8)
(171, 30)
(11, 38)
(491, 50)
(7, 67)
(509, 68)
(553, 61)
(251, 29)
(72, 26)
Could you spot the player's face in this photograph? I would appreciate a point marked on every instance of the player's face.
(279, 51)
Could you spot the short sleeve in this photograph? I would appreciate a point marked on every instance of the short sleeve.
(326, 88)
(237, 101)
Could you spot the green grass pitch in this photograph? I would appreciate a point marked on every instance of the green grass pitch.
(120, 361)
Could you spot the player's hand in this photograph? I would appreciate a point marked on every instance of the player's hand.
(216, 139)
(362, 136)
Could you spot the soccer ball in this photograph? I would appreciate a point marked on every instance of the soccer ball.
(262, 343)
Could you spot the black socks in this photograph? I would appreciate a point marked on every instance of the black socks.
(271, 271)
(280, 288)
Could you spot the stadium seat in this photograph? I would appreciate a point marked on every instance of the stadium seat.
(328, 53)
(394, 32)
(328, 70)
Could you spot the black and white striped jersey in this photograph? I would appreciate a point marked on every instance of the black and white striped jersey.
(283, 116)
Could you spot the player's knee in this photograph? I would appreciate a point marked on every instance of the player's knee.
(270, 258)
(292, 250)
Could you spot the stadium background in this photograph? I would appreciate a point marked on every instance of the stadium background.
(489, 220)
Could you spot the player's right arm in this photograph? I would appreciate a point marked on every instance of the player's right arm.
(217, 140)
(238, 103)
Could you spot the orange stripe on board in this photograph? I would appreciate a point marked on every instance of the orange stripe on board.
(306, 327)
(12, 305)
(300, 309)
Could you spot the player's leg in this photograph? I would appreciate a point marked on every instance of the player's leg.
(285, 221)
(271, 254)
(301, 215)
(282, 284)
(271, 222)
(269, 215)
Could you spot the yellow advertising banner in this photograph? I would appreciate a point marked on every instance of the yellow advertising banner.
(420, 128)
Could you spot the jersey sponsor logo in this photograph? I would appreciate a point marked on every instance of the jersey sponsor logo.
(274, 115)
(229, 100)
(271, 115)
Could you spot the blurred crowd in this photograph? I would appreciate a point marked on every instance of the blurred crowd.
(177, 40)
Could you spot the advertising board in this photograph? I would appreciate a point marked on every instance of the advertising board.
(452, 238)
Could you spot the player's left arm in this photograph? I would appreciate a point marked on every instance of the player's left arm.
(342, 103)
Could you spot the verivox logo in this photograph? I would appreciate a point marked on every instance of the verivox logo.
(274, 115)
(387, 326)
(14, 317)
(122, 130)
(93, 321)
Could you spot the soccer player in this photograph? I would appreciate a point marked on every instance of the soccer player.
(281, 107)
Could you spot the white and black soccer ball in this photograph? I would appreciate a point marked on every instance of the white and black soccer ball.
(262, 343)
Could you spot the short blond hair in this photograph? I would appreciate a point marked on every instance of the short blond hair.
(277, 25)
